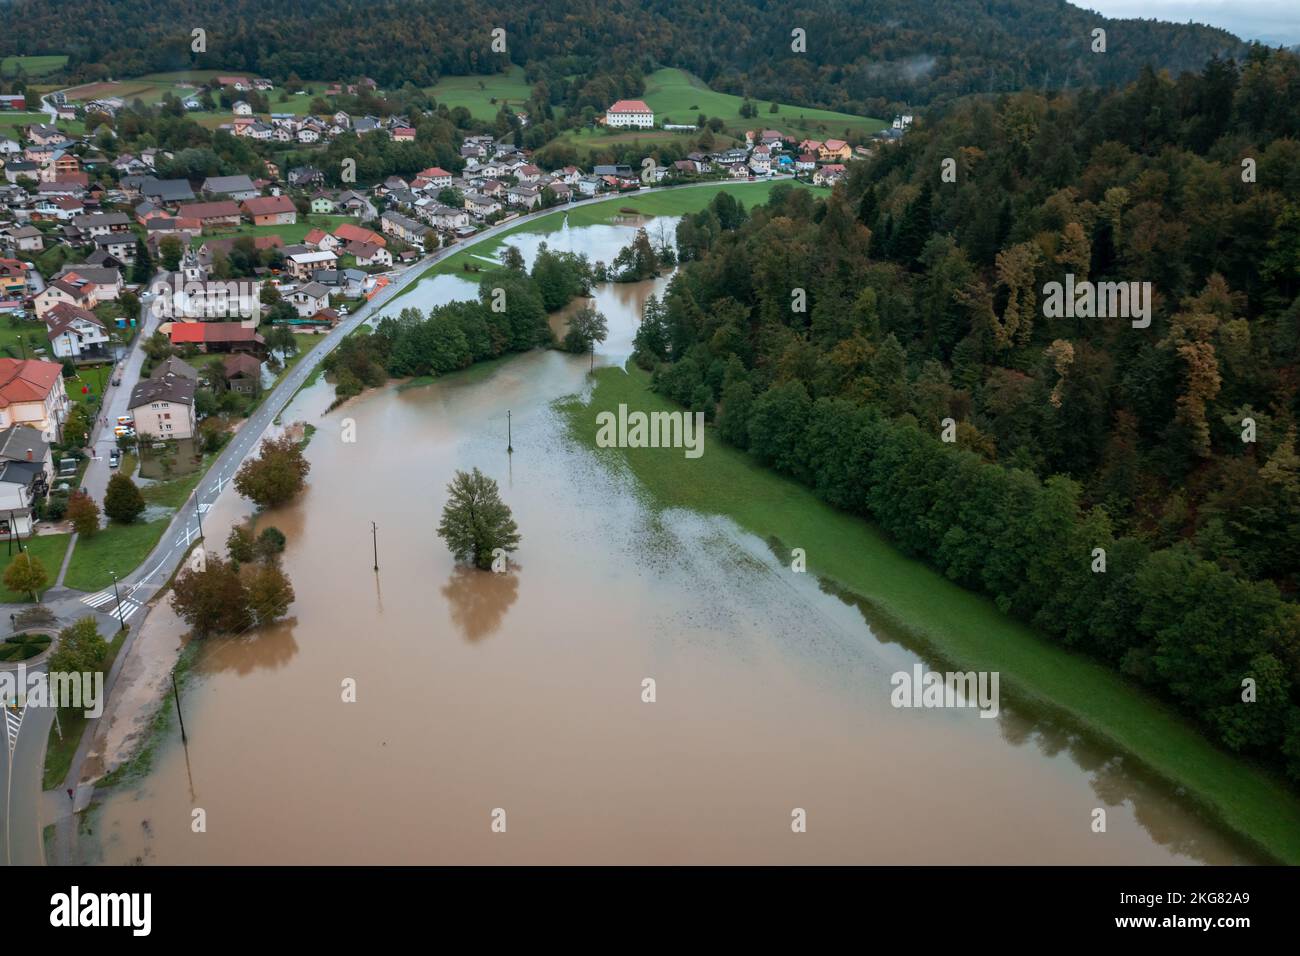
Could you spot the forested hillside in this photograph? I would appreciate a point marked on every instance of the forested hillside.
(861, 55)
(1172, 448)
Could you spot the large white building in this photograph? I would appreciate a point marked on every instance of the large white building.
(630, 113)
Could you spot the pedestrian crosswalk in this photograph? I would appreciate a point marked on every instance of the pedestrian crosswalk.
(106, 601)
(13, 724)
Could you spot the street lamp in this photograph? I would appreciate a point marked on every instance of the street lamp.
(120, 619)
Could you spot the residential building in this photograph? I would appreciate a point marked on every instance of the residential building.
(163, 407)
(271, 211)
(76, 333)
(32, 394)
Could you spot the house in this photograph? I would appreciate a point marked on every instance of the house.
(32, 394)
(76, 333)
(527, 196)
(166, 191)
(438, 177)
(24, 239)
(241, 108)
(43, 135)
(271, 211)
(309, 299)
(828, 175)
(806, 162)
(26, 471)
(445, 217)
(302, 264)
(630, 113)
(760, 160)
(403, 134)
(322, 204)
(348, 232)
(61, 292)
(13, 101)
(480, 207)
(13, 279)
(319, 239)
(237, 188)
(217, 336)
(163, 407)
(105, 282)
(223, 214)
(369, 254)
(240, 83)
(834, 150)
(118, 245)
(101, 224)
(404, 228)
(243, 373)
(174, 366)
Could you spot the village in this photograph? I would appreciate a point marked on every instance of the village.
(95, 239)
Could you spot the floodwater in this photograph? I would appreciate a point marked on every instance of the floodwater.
(519, 697)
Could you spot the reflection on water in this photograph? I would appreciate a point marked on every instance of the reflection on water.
(523, 690)
(477, 602)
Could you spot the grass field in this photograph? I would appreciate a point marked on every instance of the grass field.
(48, 549)
(60, 749)
(33, 65)
(117, 548)
(476, 93)
(679, 97)
(944, 621)
(290, 234)
(591, 142)
(667, 202)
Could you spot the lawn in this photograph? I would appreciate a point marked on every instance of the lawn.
(289, 234)
(592, 142)
(678, 97)
(665, 202)
(48, 549)
(119, 547)
(951, 626)
(10, 122)
(60, 749)
(33, 65)
(476, 93)
(32, 334)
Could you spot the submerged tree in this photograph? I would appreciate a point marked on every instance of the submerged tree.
(586, 328)
(475, 521)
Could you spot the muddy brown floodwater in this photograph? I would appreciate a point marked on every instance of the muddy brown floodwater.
(522, 692)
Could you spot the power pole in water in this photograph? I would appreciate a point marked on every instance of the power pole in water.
(510, 444)
(374, 538)
(176, 696)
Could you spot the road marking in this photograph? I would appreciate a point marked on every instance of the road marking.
(98, 600)
(13, 724)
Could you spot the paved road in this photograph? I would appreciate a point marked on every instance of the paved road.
(137, 587)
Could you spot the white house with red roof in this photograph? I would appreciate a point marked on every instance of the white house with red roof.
(32, 394)
(630, 113)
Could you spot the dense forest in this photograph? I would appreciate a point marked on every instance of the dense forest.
(1133, 492)
(861, 57)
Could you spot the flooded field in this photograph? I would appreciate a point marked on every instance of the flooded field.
(520, 696)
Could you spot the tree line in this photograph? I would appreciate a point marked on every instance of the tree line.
(1134, 493)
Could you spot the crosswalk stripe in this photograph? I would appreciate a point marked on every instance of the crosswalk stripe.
(96, 600)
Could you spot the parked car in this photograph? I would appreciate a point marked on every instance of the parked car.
(117, 380)
(114, 458)
(124, 430)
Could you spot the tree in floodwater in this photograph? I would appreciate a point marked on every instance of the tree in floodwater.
(586, 328)
(475, 521)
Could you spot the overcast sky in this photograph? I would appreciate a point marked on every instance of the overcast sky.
(1269, 21)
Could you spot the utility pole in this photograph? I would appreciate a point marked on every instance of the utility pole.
(374, 538)
(176, 696)
(510, 443)
(197, 513)
(116, 597)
